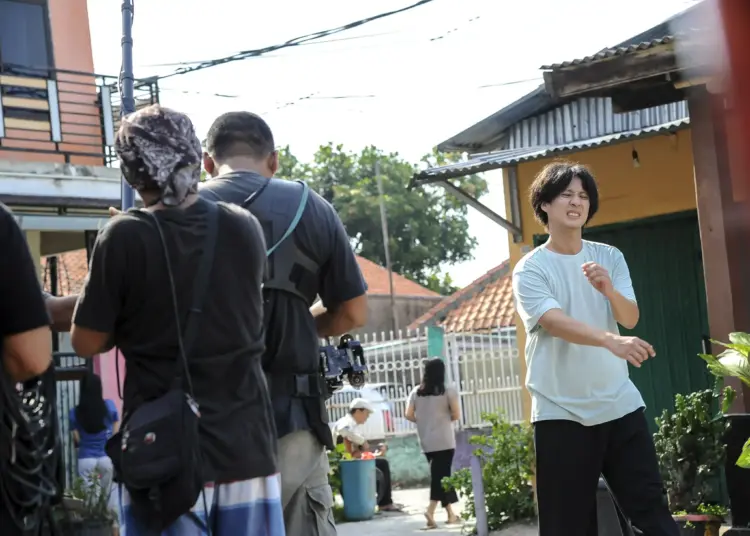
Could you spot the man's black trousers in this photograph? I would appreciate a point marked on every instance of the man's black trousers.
(570, 458)
(385, 468)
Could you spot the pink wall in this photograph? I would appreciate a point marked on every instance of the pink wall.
(105, 365)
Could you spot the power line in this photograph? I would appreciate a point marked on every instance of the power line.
(316, 96)
(307, 43)
(511, 83)
(297, 41)
(336, 50)
(454, 30)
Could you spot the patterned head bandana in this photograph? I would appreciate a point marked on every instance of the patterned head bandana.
(159, 151)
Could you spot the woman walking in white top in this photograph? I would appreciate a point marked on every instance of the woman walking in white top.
(434, 407)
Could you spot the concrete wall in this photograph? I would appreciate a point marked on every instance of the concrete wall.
(408, 309)
(34, 241)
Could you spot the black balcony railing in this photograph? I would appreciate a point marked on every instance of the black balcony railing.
(62, 116)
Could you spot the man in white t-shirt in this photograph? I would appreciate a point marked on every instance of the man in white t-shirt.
(348, 429)
(588, 418)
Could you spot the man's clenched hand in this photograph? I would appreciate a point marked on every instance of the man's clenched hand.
(632, 349)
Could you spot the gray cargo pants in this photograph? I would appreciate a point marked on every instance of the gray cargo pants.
(306, 496)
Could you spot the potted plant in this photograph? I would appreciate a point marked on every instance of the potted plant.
(689, 446)
(88, 510)
(735, 362)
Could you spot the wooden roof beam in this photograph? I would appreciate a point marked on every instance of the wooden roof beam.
(602, 76)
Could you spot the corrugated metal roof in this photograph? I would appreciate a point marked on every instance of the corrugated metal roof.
(488, 134)
(514, 156)
(586, 118)
(608, 53)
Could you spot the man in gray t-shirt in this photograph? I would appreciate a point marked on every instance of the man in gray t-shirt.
(588, 418)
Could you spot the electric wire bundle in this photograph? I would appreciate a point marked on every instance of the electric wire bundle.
(29, 450)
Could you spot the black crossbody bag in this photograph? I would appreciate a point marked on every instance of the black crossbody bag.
(156, 455)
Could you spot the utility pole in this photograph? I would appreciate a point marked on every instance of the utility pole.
(127, 98)
(384, 224)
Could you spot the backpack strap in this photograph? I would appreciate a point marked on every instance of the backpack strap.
(295, 220)
(297, 217)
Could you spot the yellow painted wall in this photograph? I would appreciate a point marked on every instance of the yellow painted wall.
(663, 184)
(34, 241)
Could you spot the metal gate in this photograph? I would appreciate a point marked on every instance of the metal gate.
(69, 370)
(483, 367)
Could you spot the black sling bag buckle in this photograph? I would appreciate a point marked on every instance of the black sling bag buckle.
(156, 455)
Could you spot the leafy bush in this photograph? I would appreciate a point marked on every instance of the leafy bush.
(689, 446)
(334, 474)
(733, 362)
(506, 455)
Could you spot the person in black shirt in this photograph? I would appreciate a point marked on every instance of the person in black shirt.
(26, 353)
(316, 260)
(24, 324)
(127, 302)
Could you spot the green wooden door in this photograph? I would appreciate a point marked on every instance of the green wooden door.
(664, 257)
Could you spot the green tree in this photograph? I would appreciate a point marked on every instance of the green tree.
(428, 228)
(289, 165)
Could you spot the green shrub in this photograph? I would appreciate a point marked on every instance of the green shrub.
(334, 474)
(506, 455)
(690, 449)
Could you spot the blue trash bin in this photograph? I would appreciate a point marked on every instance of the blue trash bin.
(358, 489)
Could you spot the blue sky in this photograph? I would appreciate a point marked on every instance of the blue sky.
(419, 77)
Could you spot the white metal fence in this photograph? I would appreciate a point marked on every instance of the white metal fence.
(482, 366)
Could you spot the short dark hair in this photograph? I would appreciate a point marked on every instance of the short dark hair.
(239, 134)
(554, 179)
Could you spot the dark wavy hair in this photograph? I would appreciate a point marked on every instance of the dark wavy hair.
(433, 379)
(554, 179)
(91, 411)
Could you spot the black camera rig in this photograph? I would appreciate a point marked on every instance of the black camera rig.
(346, 359)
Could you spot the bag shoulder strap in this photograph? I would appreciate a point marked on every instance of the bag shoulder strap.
(185, 339)
(295, 220)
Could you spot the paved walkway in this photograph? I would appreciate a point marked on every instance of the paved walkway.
(412, 520)
(396, 524)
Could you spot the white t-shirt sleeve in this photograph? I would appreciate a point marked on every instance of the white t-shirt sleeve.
(620, 276)
(348, 429)
(532, 294)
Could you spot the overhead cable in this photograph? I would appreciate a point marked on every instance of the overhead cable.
(290, 43)
(315, 96)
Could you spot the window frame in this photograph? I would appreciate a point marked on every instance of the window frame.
(44, 71)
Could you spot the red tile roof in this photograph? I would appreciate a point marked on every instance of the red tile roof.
(377, 281)
(72, 269)
(485, 304)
